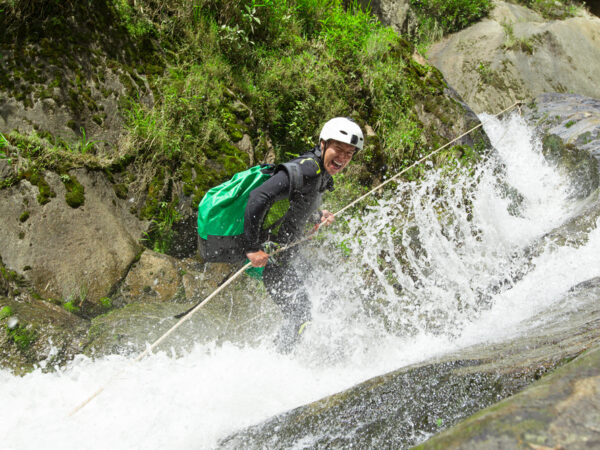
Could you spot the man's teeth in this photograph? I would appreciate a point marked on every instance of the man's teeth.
(337, 164)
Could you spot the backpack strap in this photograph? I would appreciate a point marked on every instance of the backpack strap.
(293, 170)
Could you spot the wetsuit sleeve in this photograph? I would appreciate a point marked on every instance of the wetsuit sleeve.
(315, 217)
(260, 201)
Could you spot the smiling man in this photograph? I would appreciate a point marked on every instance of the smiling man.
(279, 210)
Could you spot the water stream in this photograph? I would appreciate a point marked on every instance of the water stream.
(431, 268)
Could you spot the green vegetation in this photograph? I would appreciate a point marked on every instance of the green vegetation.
(201, 77)
(21, 336)
(71, 307)
(553, 9)
(437, 18)
(106, 302)
(5, 312)
(75, 192)
(526, 45)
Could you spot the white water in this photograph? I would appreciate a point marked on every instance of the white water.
(468, 282)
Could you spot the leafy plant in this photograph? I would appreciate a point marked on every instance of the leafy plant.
(71, 307)
(437, 18)
(84, 145)
(553, 9)
(5, 312)
(21, 336)
(160, 234)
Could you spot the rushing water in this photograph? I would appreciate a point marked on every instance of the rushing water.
(432, 267)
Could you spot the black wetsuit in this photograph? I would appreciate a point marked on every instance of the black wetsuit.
(281, 280)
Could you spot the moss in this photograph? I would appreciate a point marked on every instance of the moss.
(153, 195)
(121, 190)
(71, 307)
(45, 191)
(23, 217)
(75, 192)
(22, 337)
(106, 302)
(5, 312)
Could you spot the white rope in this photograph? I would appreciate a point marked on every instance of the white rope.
(293, 244)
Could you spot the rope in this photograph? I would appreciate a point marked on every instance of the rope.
(233, 277)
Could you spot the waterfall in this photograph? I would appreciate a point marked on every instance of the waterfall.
(428, 268)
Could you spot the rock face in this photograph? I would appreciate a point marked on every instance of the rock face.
(394, 13)
(44, 334)
(517, 55)
(575, 119)
(402, 408)
(570, 127)
(243, 313)
(559, 411)
(65, 252)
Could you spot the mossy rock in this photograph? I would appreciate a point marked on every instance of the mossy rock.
(580, 167)
(45, 335)
(75, 192)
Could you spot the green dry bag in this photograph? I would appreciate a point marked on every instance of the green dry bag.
(221, 215)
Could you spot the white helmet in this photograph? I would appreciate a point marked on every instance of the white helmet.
(344, 130)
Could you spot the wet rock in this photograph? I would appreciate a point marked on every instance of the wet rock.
(154, 278)
(517, 55)
(575, 119)
(43, 335)
(157, 278)
(242, 313)
(405, 407)
(559, 411)
(570, 128)
(574, 232)
(68, 253)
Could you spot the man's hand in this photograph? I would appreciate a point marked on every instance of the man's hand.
(258, 259)
(327, 218)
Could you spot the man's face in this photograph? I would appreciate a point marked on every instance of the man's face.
(337, 155)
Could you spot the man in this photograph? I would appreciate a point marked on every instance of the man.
(296, 188)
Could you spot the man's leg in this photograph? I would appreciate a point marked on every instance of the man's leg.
(287, 290)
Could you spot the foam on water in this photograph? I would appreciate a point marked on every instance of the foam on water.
(431, 268)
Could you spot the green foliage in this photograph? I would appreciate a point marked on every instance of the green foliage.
(437, 18)
(21, 336)
(137, 25)
(160, 235)
(511, 42)
(5, 312)
(106, 302)
(84, 145)
(345, 32)
(553, 9)
(71, 307)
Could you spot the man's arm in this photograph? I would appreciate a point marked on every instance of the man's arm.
(260, 201)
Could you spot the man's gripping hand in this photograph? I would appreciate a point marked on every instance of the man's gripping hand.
(258, 259)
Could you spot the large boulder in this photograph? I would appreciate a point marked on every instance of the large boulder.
(402, 408)
(394, 13)
(559, 411)
(575, 119)
(516, 55)
(159, 287)
(73, 252)
(569, 125)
